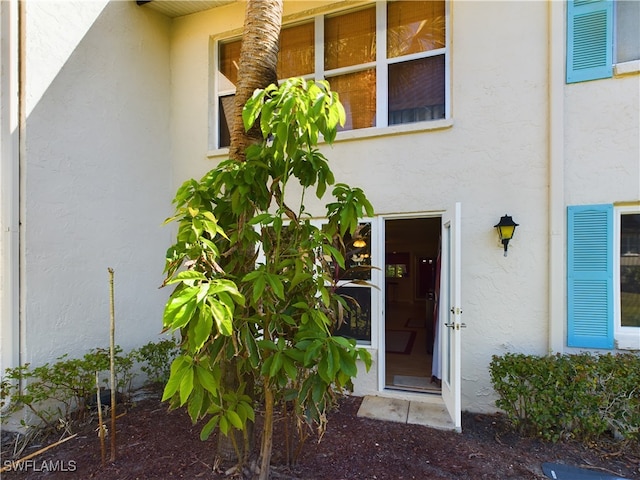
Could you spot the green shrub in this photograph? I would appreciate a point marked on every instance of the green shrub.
(59, 393)
(579, 396)
(156, 358)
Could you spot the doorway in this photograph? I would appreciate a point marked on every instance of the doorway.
(411, 249)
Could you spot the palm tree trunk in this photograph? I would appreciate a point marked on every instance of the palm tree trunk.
(257, 68)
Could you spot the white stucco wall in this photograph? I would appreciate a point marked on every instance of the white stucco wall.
(97, 175)
(603, 141)
(492, 158)
(117, 104)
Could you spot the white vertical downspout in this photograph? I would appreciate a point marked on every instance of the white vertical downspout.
(22, 159)
(9, 185)
(557, 224)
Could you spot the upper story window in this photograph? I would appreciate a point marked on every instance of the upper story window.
(627, 27)
(387, 61)
(601, 33)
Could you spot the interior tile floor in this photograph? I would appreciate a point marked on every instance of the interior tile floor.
(410, 372)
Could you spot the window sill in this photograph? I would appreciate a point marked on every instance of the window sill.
(372, 132)
(628, 338)
(626, 68)
(394, 130)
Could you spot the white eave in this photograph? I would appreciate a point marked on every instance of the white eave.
(178, 8)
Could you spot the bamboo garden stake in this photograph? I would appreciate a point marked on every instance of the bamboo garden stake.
(100, 424)
(112, 366)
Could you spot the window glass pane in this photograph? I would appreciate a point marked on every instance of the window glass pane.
(229, 54)
(357, 93)
(414, 27)
(226, 107)
(350, 39)
(630, 270)
(296, 56)
(416, 90)
(416, 87)
(397, 271)
(357, 320)
(627, 30)
(358, 254)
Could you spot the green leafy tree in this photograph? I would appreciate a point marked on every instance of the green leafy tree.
(270, 315)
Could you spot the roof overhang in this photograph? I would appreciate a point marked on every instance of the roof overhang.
(178, 8)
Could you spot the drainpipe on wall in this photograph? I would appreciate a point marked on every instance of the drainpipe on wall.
(10, 52)
(22, 155)
(557, 226)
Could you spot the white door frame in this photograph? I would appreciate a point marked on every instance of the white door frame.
(379, 343)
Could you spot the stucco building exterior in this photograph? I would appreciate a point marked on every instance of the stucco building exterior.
(107, 107)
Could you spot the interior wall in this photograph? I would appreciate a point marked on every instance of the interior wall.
(419, 237)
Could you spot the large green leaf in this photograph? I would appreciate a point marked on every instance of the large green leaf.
(186, 385)
(245, 412)
(226, 286)
(251, 346)
(207, 380)
(365, 356)
(186, 276)
(252, 109)
(178, 366)
(180, 307)
(269, 345)
(276, 364)
(347, 364)
(258, 287)
(289, 367)
(195, 404)
(224, 425)
(312, 353)
(234, 419)
(263, 218)
(203, 327)
(209, 427)
(222, 316)
(276, 285)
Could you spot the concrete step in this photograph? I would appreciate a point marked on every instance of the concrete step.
(431, 414)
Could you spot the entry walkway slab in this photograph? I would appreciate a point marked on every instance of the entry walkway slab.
(389, 409)
(429, 414)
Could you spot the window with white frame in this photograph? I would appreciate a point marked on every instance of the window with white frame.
(627, 27)
(603, 273)
(628, 255)
(387, 61)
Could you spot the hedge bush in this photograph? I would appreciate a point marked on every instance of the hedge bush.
(61, 391)
(579, 396)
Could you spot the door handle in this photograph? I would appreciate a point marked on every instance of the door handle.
(457, 326)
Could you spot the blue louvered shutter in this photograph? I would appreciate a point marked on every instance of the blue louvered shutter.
(589, 40)
(590, 276)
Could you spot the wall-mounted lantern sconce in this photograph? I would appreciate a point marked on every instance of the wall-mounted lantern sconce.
(506, 227)
(359, 243)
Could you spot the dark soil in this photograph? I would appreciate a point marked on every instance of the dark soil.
(155, 444)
